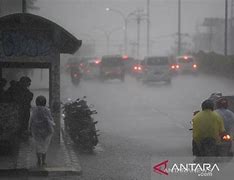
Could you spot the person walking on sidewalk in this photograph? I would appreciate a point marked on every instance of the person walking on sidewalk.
(41, 127)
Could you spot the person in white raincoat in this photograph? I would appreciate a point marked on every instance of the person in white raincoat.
(41, 126)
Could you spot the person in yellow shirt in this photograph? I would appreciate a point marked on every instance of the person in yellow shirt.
(207, 124)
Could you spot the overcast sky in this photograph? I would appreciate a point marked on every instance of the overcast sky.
(86, 18)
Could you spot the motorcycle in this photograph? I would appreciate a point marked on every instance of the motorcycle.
(208, 146)
(80, 124)
(75, 77)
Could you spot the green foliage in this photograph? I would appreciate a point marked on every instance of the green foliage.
(215, 64)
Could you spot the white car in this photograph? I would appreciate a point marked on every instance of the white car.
(156, 68)
(186, 64)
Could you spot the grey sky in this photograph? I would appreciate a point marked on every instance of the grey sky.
(85, 18)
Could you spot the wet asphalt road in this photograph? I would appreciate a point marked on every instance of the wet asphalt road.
(142, 125)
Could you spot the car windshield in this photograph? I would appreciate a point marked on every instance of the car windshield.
(186, 60)
(157, 61)
(115, 61)
(93, 64)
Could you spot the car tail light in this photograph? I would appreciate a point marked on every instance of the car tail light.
(175, 66)
(195, 66)
(135, 67)
(75, 75)
(226, 137)
(139, 68)
(97, 61)
(125, 57)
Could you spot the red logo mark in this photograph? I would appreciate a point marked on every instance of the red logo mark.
(161, 168)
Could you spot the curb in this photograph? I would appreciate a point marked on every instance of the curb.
(71, 157)
(54, 171)
(13, 172)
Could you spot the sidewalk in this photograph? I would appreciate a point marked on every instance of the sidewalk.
(61, 161)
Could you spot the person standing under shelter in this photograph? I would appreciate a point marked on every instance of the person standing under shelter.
(3, 83)
(41, 126)
(23, 99)
(12, 91)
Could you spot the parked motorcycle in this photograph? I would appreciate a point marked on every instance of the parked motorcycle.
(80, 124)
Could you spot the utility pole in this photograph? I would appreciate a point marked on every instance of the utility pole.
(179, 28)
(125, 18)
(148, 28)
(139, 15)
(24, 6)
(107, 35)
(226, 27)
(231, 42)
(210, 38)
(138, 33)
(232, 13)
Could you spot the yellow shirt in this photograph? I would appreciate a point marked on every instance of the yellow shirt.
(207, 123)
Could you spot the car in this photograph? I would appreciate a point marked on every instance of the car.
(92, 69)
(174, 66)
(128, 63)
(137, 70)
(186, 64)
(112, 67)
(156, 68)
(72, 62)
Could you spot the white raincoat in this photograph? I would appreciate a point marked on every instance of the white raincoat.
(41, 126)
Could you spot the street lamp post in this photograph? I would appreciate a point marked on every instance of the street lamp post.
(24, 6)
(148, 28)
(226, 27)
(88, 37)
(140, 15)
(107, 35)
(179, 27)
(125, 18)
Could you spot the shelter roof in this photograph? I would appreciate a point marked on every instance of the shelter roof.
(64, 41)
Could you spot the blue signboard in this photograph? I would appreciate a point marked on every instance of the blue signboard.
(16, 43)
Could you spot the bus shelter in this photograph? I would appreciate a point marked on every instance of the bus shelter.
(31, 41)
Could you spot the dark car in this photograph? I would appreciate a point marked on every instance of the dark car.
(112, 67)
(92, 69)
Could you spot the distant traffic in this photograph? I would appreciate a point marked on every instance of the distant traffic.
(148, 70)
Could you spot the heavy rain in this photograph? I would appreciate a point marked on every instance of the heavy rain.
(122, 80)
